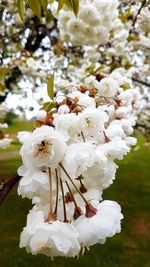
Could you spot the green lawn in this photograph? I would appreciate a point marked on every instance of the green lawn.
(130, 248)
(19, 126)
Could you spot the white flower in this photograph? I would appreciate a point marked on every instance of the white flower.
(66, 124)
(51, 239)
(64, 16)
(40, 115)
(100, 175)
(114, 130)
(89, 14)
(119, 48)
(91, 53)
(60, 97)
(122, 112)
(88, 27)
(90, 33)
(105, 223)
(75, 26)
(120, 76)
(90, 81)
(91, 121)
(103, 34)
(109, 109)
(126, 126)
(44, 147)
(83, 99)
(92, 195)
(130, 141)
(106, 4)
(115, 149)
(64, 109)
(107, 87)
(126, 97)
(78, 158)
(122, 35)
(34, 183)
(22, 136)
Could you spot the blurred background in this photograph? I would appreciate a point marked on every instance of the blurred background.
(29, 52)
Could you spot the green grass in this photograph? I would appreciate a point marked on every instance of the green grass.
(9, 167)
(14, 146)
(130, 248)
(18, 126)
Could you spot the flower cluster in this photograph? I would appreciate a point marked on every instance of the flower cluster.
(69, 160)
(143, 115)
(93, 24)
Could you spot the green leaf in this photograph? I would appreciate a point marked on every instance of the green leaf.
(125, 86)
(50, 87)
(48, 106)
(68, 3)
(60, 5)
(44, 4)
(73, 5)
(36, 7)
(45, 105)
(4, 71)
(49, 16)
(20, 5)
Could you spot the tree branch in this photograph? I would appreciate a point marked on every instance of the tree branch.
(141, 82)
(138, 13)
(6, 187)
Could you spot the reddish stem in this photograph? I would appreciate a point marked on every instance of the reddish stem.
(78, 212)
(63, 197)
(86, 202)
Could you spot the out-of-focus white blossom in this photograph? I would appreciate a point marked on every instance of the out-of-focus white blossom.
(93, 24)
(5, 142)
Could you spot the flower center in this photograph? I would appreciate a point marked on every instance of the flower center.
(43, 147)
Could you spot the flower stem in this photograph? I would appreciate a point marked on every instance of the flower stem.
(83, 136)
(74, 184)
(78, 212)
(51, 190)
(51, 215)
(56, 204)
(63, 197)
(73, 199)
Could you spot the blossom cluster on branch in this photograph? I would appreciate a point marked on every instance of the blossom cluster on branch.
(93, 24)
(69, 159)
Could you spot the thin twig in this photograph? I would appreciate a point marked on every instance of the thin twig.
(141, 82)
(138, 13)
